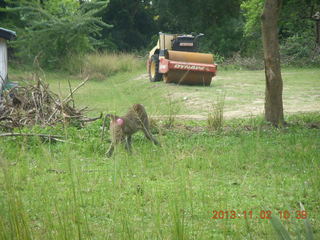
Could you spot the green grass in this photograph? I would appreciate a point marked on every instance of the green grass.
(114, 94)
(242, 91)
(71, 191)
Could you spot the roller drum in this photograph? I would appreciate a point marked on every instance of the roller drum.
(186, 76)
(190, 57)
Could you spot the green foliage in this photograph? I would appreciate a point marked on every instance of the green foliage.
(57, 30)
(295, 17)
(133, 25)
(218, 58)
(299, 50)
(252, 12)
(297, 33)
(219, 21)
(296, 30)
(61, 7)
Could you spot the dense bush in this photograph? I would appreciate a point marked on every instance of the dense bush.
(296, 31)
(54, 33)
(239, 62)
(300, 49)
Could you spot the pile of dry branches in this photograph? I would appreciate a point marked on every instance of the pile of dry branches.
(35, 104)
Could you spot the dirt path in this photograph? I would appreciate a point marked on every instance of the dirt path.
(242, 94)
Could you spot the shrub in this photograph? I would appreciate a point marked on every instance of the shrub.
(215, 116)
(55, 33)
(300, 49)
(240, 62)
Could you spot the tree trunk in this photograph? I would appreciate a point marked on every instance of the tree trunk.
(273, 96)
(316, 17)
(318, 33)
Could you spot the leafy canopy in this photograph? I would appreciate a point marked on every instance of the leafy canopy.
(56, 30)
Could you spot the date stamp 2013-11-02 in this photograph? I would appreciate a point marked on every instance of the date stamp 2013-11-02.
(262, 214)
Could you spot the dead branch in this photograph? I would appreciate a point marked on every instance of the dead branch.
(74, 90)
(30, 135)
(92, 119)
(36, 104)
(71, 93)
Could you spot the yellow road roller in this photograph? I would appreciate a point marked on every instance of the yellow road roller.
(175, 59)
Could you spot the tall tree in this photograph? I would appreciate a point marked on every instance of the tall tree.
(133, 25)
(296, 30)
(220, 21)
(274, 85)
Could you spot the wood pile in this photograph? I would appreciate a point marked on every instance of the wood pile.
(36, 104)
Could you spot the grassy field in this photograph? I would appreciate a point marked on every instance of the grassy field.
(242, 93)
(72, 191)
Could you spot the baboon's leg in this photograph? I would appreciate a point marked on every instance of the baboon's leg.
(149, 136)
(147, 133)
(128, 144)
(110, 150)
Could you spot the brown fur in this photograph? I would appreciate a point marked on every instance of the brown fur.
(122, 128)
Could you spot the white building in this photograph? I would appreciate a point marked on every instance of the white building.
(5, 35)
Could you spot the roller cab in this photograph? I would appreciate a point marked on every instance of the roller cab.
(176, 59)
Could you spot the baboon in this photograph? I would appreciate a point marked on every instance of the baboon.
(122, 128)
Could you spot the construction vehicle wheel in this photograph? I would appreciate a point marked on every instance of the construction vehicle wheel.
(154, 74)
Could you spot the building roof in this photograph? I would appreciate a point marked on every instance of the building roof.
(7, 34)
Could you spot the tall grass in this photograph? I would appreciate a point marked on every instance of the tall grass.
(103, 65)
(283, 233)
(173, 109)
(215, 115)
